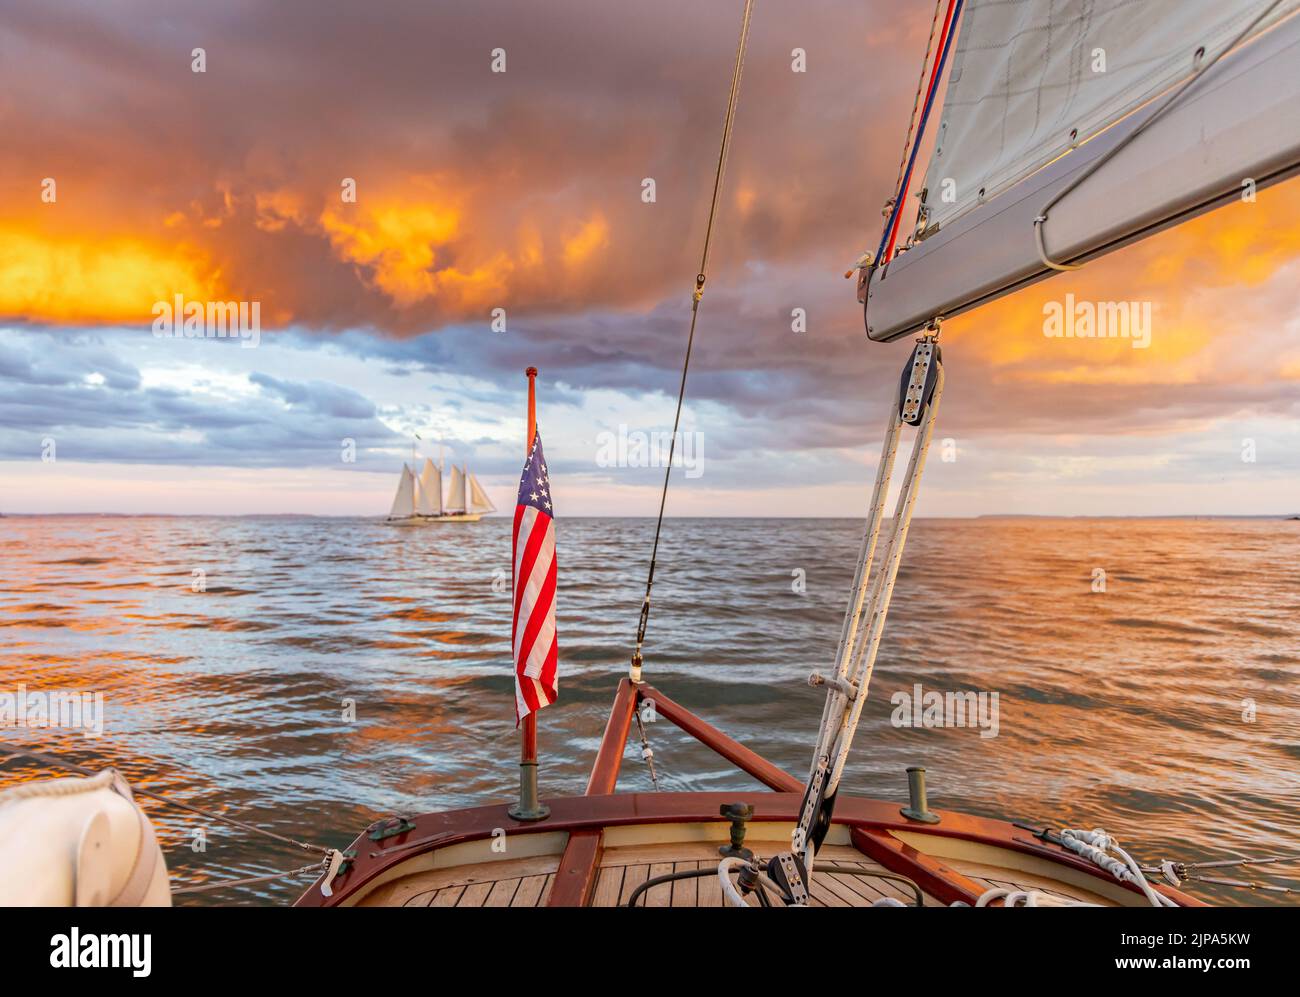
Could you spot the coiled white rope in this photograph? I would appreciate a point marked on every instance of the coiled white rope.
(1009, 898)
(729, 890)
(1096, 846)
(58, 787)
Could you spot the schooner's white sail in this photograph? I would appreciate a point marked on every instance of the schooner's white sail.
(429, 496)
(1040, 93)
(419, 500)
(456, 492)
(479, 502)
(404, 500)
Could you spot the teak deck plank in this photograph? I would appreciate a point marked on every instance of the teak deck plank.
(854, 884)
(661, 895)
(872, 888)
(529, 892)
(447, 897)
(633, 876)
(709, 892)
(608, 887)
(685, 891)
(546, 889)
(836, 885)
(503, 891)
(418, 889)
(475, 895)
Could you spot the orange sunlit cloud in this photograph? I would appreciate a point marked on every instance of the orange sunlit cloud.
(588, 239)
(1200, 279)
(90, 280)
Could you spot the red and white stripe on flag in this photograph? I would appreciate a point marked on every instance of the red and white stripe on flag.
(533, 633)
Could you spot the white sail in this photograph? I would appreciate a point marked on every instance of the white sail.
(1030, 81)
(479, 502)
(456, 491)
(404, 500)
(1039, 91)
(417, 496)
(429, 495)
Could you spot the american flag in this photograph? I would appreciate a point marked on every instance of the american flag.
(533, 632)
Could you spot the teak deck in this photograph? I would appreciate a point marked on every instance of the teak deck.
(594, 850)
(527, 882)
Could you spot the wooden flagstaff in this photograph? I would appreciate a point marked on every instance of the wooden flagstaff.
(529, 806)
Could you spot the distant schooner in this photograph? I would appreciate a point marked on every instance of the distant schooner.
(419, 500)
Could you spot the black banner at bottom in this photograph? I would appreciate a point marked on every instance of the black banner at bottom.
(144, 947)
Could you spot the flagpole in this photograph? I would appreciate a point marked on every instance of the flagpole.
(529, 807)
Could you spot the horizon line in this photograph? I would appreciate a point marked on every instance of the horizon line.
(1285, 516)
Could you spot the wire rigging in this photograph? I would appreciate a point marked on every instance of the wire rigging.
(700, 278)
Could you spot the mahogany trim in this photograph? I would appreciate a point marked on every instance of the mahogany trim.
(575, 876)
(732, 750)
(945, 884)
(609, 758)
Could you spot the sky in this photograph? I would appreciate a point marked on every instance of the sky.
(520, 193)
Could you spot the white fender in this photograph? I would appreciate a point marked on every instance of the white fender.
(79, 842)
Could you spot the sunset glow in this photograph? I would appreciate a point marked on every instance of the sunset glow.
(370, 226)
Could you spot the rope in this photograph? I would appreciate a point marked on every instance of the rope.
(222, 818)
(700, 278)
(871, 623)
(729, 891)
(1041, 218)
(1096, 846)
(68, 787)
(888, 237)
(1023, 898)
(916, 99)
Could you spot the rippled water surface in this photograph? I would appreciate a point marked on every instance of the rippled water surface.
(1127, 709)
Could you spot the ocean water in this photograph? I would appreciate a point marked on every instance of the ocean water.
(1165, 709)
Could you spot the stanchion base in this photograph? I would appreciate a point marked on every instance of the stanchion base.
(923, 816)
(529, 807)
(520, 812)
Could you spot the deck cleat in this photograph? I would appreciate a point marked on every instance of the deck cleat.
(738, 814)
(390, 827)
